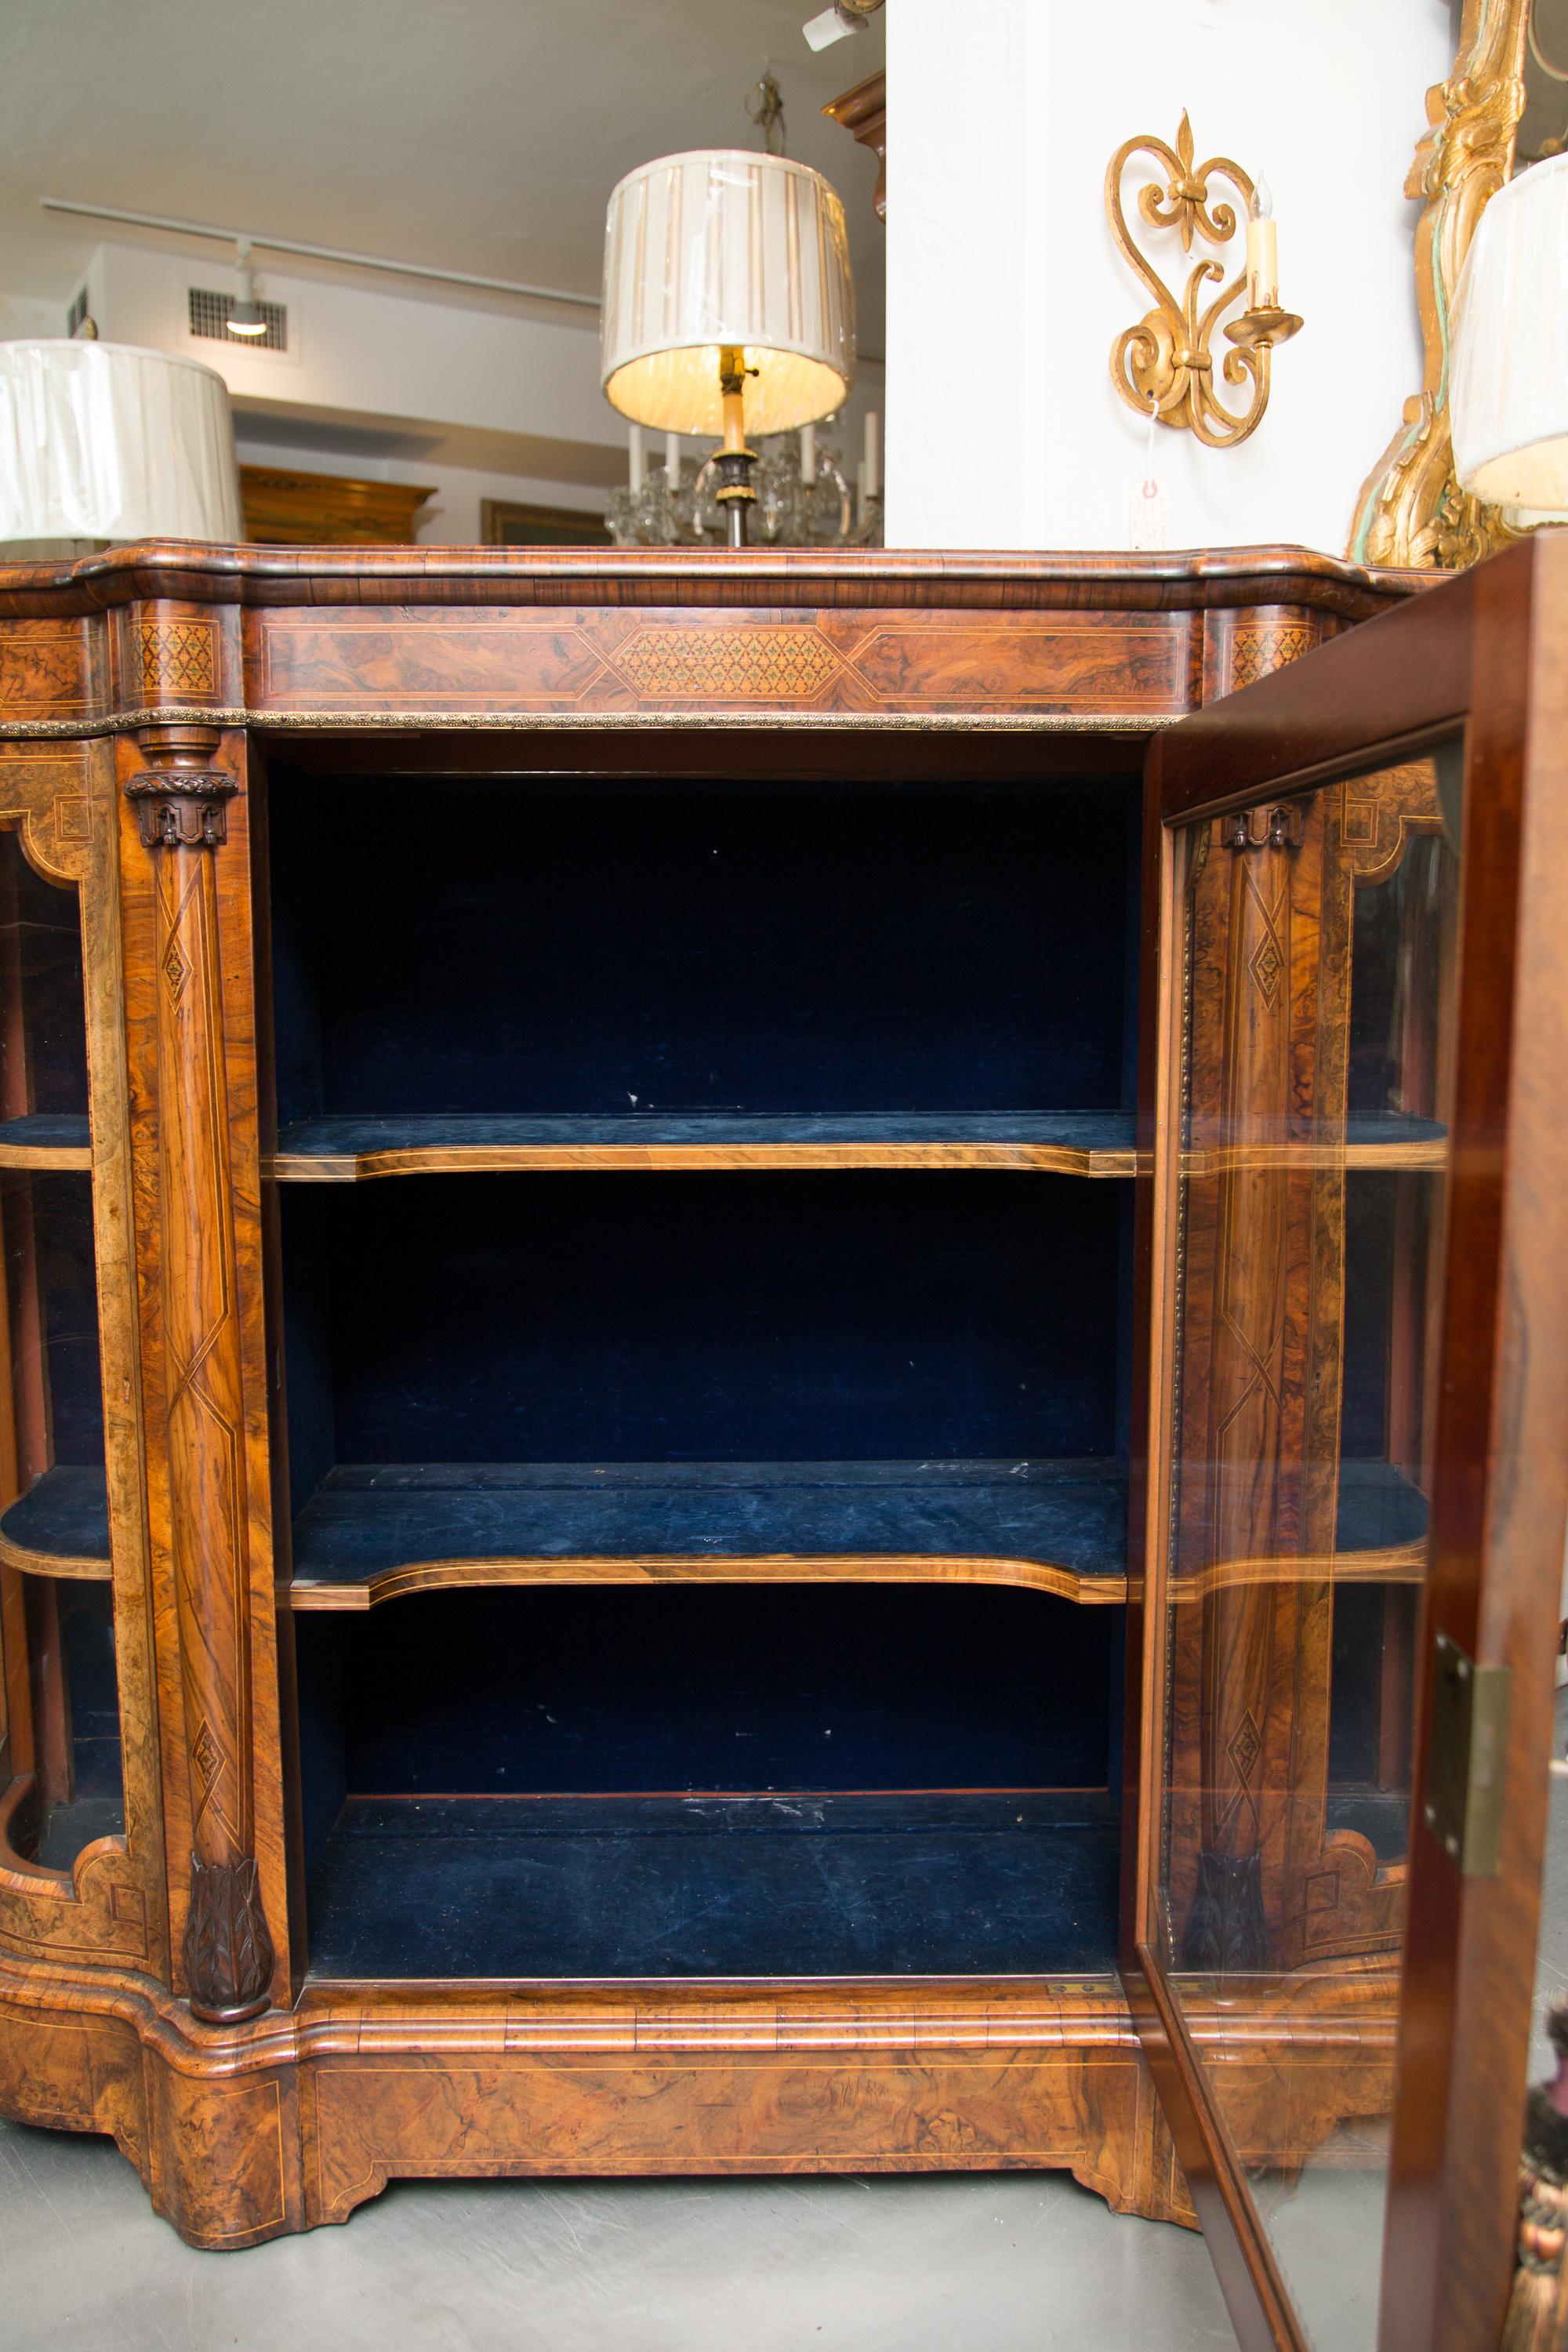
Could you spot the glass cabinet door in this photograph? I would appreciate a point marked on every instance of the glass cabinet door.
(1352, 1480)
(1317, 1011)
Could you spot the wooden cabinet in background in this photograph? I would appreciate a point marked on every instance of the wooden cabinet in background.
(286, 509)
(725, 1280)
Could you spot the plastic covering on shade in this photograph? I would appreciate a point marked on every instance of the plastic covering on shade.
(1508, 392)
(723, 249)
(101, 441)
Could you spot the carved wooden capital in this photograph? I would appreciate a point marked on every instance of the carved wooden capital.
(1276, 828)
(185, 812)
(228, 1951)
(179, 799)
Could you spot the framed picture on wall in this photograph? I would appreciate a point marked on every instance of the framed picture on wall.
(505, 524)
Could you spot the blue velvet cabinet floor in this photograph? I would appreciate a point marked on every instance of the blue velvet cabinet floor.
(512, 1671)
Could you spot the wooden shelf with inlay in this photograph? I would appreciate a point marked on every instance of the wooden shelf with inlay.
(1065, 1143)
(61, 1526)
(371, 1534)
(352, 1150)
(1389, 1140)
(39, 1139)
(375, 1533)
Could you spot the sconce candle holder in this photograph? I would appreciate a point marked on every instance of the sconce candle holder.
(1165, 364)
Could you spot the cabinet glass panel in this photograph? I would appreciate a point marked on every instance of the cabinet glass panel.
(1317, 943)
(59, 1731)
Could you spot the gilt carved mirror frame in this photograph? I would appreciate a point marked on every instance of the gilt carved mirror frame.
(1505, 102)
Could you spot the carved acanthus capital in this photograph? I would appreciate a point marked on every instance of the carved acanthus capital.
(228, 1951)
(178, 797)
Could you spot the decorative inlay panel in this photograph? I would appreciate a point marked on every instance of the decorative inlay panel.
(492, 662)
(178, 660)
(44, 671)
(489, 664)
(1056, 661)
(785, 662)
(1254, 652)
(1379, 813)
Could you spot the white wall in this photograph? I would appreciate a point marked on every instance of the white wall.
(478, 402)
(382, 359)
(25, 316)
(1005, 291)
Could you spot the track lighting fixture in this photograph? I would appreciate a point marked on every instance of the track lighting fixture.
(836, 24)
(246, 318)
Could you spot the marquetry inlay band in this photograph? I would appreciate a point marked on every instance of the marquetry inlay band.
(177, 657)
(674, 663)
(1254, 652)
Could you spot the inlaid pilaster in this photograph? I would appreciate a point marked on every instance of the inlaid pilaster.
(180, 797)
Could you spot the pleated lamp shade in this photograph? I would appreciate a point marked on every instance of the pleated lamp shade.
(102, 442)
(724, 249)
(1508, 395)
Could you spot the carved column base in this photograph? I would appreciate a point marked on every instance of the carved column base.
(1226, 1930)
(228, 1951)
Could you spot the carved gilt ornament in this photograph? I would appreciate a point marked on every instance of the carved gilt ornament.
(1411, 511)
(1164, 362)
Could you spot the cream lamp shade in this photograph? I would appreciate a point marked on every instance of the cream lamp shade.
(725, 250)
(101, 441)
(1508, 395)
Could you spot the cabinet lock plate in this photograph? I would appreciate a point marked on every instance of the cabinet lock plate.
(1465, 1759)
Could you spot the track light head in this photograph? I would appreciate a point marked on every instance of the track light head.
(246, 318)
(836, 23)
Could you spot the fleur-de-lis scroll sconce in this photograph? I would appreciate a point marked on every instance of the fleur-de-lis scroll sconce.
(1163, 366)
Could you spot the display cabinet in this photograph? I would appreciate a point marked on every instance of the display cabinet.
(727, 1289)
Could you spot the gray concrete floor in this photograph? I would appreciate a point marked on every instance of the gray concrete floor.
(990, 2262)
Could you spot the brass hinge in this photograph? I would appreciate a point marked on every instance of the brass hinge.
(1466, 1759)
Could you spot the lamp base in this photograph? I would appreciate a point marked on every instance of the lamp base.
(735, 493)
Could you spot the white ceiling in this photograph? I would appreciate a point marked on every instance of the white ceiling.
(479, 135)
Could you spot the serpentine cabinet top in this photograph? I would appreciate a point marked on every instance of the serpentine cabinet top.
(344, 637)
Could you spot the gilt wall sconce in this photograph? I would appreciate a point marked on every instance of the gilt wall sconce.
(1165, 365)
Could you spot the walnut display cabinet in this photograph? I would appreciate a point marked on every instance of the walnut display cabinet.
(778, 1338)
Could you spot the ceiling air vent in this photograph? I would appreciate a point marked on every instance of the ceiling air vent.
(209, 316)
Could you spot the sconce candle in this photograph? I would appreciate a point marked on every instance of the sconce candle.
(635, 457)
(672, 459)
(809, 454)
(1262, 251)
(873, 455)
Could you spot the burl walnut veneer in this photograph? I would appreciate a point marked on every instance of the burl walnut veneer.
(158, 1985)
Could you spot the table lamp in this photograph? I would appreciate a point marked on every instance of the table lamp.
(729, 304)
(1508, 395)
(102, 442)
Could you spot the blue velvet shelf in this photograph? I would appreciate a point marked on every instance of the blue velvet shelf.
(782, 1884)
(372, 1531)
(1065, 1142)
(45, 1140)
(369, 1532)
(343, 1150)
(60, 1524)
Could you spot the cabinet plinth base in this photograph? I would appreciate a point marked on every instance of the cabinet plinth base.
(251, 2132)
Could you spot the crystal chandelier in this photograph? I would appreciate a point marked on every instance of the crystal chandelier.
(791, 510)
